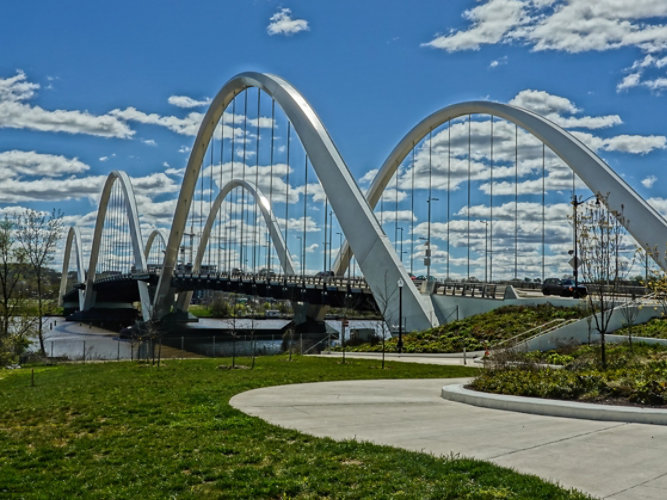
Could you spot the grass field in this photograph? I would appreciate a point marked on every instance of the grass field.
(128, 430)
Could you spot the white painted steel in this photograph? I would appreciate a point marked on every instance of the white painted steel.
(642, 221)
(274, 232)
(135, 236)
(73, 237)
(155, 233)
(371, 247)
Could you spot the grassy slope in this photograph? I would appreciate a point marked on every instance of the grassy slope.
(656, 327)
(124, 430)
(472, 333)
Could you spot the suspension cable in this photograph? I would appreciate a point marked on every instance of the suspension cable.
(289, 129)
(469, 133)
(305, 204)
(255, 251)
(273, 109)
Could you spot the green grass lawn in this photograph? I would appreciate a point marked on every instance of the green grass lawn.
(127, 430)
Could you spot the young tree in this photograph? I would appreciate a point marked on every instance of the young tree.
(38, 234)
(600, 243)
(14, 323)
(382, 301)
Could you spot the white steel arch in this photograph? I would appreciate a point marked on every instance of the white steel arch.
(135, 236)
(371, 247)
(160, 234)
(642, 221)
(73, 237)
(274, 231)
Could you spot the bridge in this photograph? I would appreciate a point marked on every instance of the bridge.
(472, 190)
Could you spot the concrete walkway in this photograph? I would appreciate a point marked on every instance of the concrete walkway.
(605, 459)
(456, 358)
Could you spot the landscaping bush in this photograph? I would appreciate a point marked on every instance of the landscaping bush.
(636, 375)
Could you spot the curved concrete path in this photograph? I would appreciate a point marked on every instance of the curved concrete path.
(606, 459)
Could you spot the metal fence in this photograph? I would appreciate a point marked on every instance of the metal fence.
(97, 348)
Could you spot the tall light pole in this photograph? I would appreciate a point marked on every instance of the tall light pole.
(400, 316)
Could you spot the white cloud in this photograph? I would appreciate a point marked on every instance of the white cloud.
(17, 163)
(543, 103)
(571, 26)
(635, 144)
(183, 101)
(648, 182)
(498, 62)
(15, 112)
(281, 23)
(629, 81)
(184, 126)
(491, 21)
(149, 142)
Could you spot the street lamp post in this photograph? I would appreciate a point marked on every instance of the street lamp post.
(400, 315)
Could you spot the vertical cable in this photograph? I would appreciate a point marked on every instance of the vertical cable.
(305, 205)
(220, 186)
(543, 216)
(287, 196)
(396, 209)
(469, 133)
(326, 213)
(255, 251)
(243, 257)
(516, 201)
(273, 108)
(430, 202)
(331, 222)
(412, 210)
(449, 180)
(232, 200)
(491, 210)
(210, 201)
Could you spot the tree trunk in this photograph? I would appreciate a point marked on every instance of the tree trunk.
(40, 314)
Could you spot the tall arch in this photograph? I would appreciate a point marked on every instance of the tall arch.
(160, 234)
(135, 236)
(274, 231)
(73, 238)
(644, 223)
(371, 247)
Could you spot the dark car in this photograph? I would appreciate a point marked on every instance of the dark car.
(563, 288)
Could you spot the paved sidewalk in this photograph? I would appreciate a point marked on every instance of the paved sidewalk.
(606, 459)
(433, 359)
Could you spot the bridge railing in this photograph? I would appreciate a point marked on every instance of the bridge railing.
(305, 281)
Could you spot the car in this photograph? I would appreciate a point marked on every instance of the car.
(563, 288)
(266, 273)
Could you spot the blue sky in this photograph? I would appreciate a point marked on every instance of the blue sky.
(88, 87)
